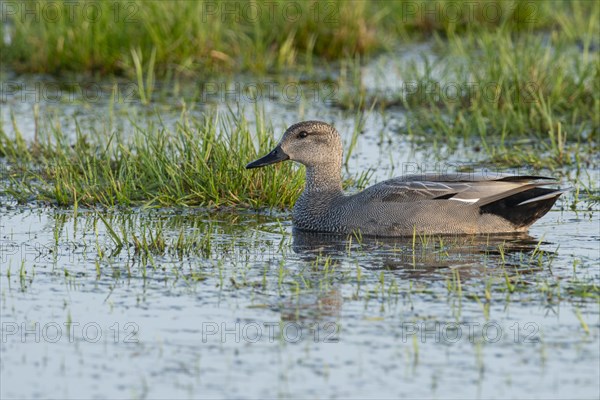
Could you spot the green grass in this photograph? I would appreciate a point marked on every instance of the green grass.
(512, 87)
(187, 36)
(190, 37)
(529, 95)
(524, 97)
(200, 162)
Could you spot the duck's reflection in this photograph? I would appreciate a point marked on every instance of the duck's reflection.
(418, 251)
(408, 258)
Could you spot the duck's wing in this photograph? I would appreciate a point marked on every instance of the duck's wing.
(471, 177)
(398, 190)
(466, 188)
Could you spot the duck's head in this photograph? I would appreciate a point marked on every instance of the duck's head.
(311, 143)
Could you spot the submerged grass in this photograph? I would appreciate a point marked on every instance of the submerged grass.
(209, 249)
(200, 162)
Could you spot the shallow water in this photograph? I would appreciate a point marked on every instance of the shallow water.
(191, 303)
(259, 310)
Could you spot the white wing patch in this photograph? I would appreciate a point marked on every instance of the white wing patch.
(464, 200)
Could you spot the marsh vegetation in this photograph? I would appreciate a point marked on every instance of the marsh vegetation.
(125, 208)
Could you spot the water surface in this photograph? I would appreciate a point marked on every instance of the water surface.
(192, 303)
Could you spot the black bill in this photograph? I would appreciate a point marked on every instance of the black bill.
(277, 155)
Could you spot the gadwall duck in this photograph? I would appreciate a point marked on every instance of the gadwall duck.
(463, 203)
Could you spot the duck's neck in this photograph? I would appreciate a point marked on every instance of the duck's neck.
(323, 189)
(323, 178)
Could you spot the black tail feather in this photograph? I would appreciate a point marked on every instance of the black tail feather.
(523, 215)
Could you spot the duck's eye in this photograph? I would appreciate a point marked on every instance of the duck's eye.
(302, 134)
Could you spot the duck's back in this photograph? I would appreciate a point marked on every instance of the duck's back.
(445, 204)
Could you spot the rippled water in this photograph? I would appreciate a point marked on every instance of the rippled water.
(191, 303)
(254, 309)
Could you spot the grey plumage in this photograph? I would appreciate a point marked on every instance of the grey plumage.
(461, 203)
